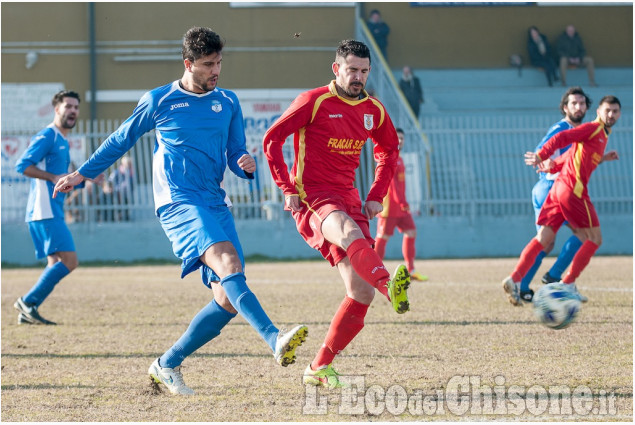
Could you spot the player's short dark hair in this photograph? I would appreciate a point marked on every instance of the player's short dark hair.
(199, 42)
(611, 100)
(60, 95)
(399, 130)
(352, 47)
(569, 92)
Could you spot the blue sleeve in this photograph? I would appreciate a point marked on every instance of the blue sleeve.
(39, 147)
(555, 129)
(122, 140)
(236, 142)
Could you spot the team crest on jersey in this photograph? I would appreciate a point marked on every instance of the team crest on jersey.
(216, 106)
(368, 121)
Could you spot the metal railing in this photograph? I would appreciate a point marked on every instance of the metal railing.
(477, 170)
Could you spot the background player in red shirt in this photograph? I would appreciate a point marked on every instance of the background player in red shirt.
(330, 125)
(569, 199)
(396, 213)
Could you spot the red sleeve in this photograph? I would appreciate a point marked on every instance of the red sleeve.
(559, 162)
(297, 116)
(565, 138)
(386, 152)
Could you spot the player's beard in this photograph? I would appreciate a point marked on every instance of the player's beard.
(68, 122)
(354, 89)
(576, 119)
(206, 84)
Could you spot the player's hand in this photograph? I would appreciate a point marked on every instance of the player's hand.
(99, 179)
(67, 183)
(545, 166)
(610, 156)
(292, 202)
(372, 208)
(532, 158)
(247, 163)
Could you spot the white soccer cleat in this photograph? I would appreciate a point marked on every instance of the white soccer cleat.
(171, 378)
(574, 289)
(287, 343)
(513, 291)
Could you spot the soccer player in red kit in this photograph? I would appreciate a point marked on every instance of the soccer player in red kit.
(396, 213)
(330, 125)
(569, 199)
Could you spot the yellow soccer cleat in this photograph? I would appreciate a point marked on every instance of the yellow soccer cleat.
(325, 376)
(287, 344)
(397, 289)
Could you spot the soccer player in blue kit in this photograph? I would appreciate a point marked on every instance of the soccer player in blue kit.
(199, 132)
(46, 160)
(573, 105)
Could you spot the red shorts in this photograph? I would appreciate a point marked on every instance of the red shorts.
(562, 205)
(316, 207)
(386, 225)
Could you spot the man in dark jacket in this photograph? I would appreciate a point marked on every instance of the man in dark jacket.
(572, 53)
(411, 88)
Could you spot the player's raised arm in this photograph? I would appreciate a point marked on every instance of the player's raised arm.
(67, 183)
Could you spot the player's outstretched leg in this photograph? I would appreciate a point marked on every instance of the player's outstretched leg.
(171, 378)
(283, 345)
(398, 289)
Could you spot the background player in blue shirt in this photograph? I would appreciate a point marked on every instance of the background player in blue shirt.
(573, 106)
(46, 160)
(199, 131)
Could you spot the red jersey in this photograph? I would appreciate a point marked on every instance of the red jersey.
(588, 144)
(329, 133)
(395, 203)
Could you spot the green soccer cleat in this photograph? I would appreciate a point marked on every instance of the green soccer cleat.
(287, 343)
(414, 275)
(397, 289)
(325, 376)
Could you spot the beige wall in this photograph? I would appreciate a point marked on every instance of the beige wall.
(423, 37)
(481, 37)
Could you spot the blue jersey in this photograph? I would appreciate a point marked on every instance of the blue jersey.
(561, 125)
(48, 151)
(197, 136)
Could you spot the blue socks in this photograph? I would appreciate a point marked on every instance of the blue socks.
(204, 327)
(524, 283)
(567, 253)
(570, 247)
(45, 284)
(246, 303)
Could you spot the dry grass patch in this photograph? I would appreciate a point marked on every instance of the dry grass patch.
(115, 321)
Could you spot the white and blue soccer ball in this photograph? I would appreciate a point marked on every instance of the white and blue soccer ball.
(556, 306)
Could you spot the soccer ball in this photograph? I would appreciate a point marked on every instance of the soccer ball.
(555, 305)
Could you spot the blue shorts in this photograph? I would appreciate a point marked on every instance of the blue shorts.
(50, 236)
(539, 194)
(192, 229)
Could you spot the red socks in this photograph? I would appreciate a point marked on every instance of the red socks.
(368, 265)
(409, 252)
(527, 259)
(346, 324)
(380, 247)
(580, 261)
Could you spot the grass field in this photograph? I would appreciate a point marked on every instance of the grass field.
(115, 320)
